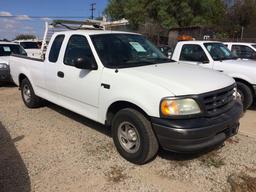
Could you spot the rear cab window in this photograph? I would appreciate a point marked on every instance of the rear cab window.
(29, 45)
(55, 48)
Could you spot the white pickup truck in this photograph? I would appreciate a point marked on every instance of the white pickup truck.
(242, 50)
(217, 56)
(123, 81)
(6, 49)
(32, 47)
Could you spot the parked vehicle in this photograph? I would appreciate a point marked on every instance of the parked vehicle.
(242, 50)
(217, 56)
(32, 47)
(122, 80)
(6, 49)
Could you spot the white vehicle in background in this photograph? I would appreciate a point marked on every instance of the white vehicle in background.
(6, 49)
(215, 55)
(32, 47)
(123, 81)
(242, 50)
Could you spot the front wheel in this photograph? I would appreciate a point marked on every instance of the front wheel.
(134, 137)
(28, 95)
(246, 95)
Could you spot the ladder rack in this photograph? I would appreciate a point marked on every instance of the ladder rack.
(64, 25)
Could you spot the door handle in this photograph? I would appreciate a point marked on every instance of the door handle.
(60, 74)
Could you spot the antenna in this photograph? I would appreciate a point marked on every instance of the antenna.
(92, 9)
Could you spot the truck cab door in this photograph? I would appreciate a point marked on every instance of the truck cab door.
(195, 54)
(78, 88)
(50, 69)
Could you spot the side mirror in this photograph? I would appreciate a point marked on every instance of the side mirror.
(85, 63)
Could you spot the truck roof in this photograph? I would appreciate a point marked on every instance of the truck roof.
(94, 32)
(27, 40)
(6, 42)
(239, 43)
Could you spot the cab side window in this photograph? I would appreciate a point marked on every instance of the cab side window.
(78, 47)
(193, 53)
(55, 49)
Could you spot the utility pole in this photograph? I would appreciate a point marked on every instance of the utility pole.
(92, 9)
(242, 33)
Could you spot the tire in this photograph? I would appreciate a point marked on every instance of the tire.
(139, 127)
(28, 95)
(246, 95)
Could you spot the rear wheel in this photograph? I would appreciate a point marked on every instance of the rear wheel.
(246, 94)
(28, 95)
(133, 136)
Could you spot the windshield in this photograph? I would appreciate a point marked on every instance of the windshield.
(254, 45)
(219, 51)
(29, 45)
(7, 50)
(126, 50)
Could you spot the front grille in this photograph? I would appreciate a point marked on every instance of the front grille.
(219, 101)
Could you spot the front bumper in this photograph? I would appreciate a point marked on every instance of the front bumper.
(194, 135)
(5, 75)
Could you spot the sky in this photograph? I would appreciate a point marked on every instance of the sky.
(25, 9)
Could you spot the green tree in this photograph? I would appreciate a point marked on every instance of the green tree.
(242, 14)
(24, 36)
(115, 9)
(168, 13)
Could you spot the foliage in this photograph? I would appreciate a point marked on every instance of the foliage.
(168, 13)
(242, 13)
(25, 36)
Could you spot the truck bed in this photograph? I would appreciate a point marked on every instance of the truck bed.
(32, 67)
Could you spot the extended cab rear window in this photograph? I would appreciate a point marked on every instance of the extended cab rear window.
(29, 45)
(55, 49)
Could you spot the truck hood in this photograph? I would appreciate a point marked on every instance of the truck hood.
(5, 59)
(181, 79)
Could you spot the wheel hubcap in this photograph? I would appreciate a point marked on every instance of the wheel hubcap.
(26, 93)
(128, 137)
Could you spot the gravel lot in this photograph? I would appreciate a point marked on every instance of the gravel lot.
(53, 149)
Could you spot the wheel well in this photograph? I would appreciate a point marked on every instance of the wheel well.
(119, 105)
(246, 83)
(21, 78)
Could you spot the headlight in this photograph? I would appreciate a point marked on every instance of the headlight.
(3, 66)
(176, 107)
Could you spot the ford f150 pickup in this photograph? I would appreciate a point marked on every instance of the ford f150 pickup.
(215, 55)
(122, 80)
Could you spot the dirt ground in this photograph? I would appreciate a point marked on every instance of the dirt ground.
(53, 149)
